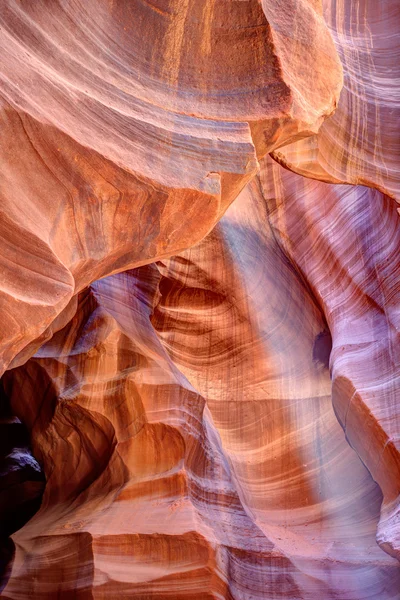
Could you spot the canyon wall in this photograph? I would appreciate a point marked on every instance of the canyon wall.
(199, 247)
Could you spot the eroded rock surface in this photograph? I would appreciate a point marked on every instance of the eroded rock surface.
(191, 403)
(359, 144)
(129, 128)
(355, 280)
(201, 344)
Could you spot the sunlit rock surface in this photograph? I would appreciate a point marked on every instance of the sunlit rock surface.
(129, 127)
(199, 346)
(355, 279)
(190, 402)
(360, 144)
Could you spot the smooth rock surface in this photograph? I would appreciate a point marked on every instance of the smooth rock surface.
(129, 128)
(360, 143)
(220, 473)
(201, 343)
(354, 276)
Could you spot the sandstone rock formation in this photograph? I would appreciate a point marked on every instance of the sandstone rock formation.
(360, 143)
(115, 113)
(201, 344)
(359, 296)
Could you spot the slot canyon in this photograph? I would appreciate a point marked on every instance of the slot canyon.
(200, 299)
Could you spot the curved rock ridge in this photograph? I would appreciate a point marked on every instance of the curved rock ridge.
(359, 144)
(344, 241)
(201, 343)
(147, 113)
(189, 403)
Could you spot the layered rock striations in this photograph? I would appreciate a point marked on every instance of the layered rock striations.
(359, 293)
(191, 403)
(201, 344)
(147, 114)
(359, 144)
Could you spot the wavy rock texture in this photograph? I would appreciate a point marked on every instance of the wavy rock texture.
(359, 293)
(227, 478)
(116, 113)
(201, 344)
(360, 143)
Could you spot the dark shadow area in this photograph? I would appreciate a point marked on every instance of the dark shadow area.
(21, 482)
(322, 348)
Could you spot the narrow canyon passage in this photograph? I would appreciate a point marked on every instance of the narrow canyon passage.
(188, 435)
(199, 292)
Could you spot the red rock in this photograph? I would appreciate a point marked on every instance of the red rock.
(201, 344)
